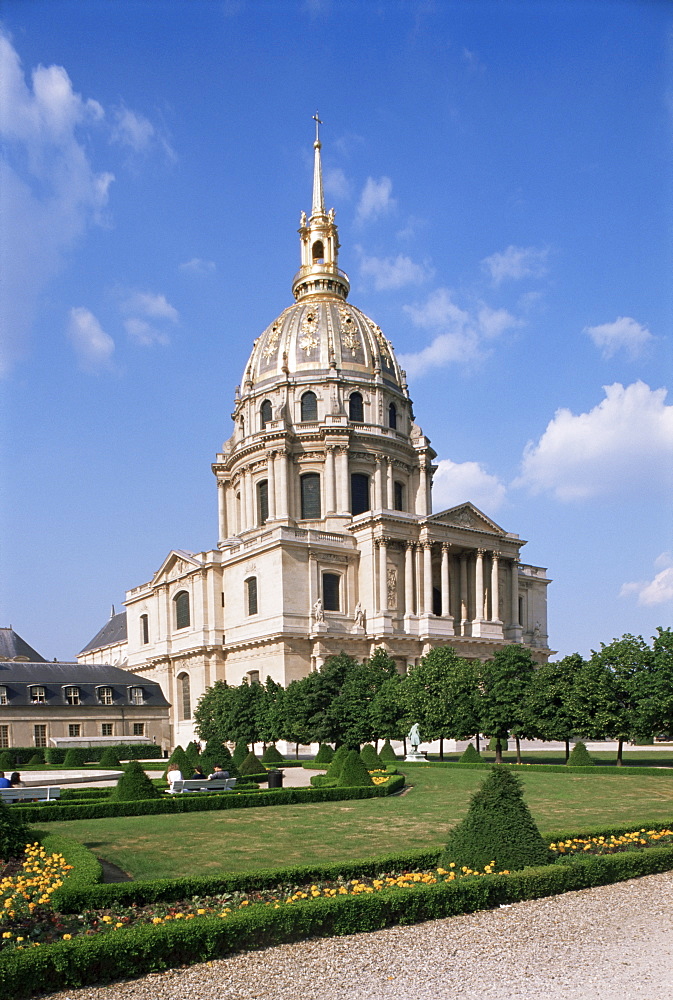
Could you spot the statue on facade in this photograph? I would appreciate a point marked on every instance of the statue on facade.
(302, 220)
(318, 613)
(359, 615)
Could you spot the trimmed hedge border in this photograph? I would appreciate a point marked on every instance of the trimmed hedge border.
(203, 803)
(563, 768)
(87, 870)
(140, 950)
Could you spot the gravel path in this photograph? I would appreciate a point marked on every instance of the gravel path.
(610, 943)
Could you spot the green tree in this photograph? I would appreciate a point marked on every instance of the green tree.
(657, 706)
(441, 695)
(549, 699)
(295, 713)
(504, 684)
(388, 710)
(212, 715)
(349, 716)
(269, 718)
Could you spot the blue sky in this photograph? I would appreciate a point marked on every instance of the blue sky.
(502, 181)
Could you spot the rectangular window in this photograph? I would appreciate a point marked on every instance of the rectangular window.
(263, 501)
(38, 696)
(105, 695)
(144, 629)
(136, 696)
(310, 495)
(138, 728)
(3, 695)
(106, 729)
(359, 493)
(74, 729)
(399, 496)
(330, 591)
(72, 695)
(40, 736)
(4, 737)
(251, 587)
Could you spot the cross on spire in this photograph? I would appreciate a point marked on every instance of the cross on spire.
(318, 123)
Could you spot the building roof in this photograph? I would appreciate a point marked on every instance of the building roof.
(113, 632)
(12, 646)
(54, 677)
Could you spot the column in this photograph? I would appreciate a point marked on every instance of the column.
(427, 578)
(378, 477)
(419, 501)
(419, 579)
(250, 518)
(383, 574)
(514, 608)
(390, 491)
(330, 484)
(243, 490)
(283, 505)
(446, 592)
(495, 587)
(271, 484)
(463, 587)
(409, 579)
(222, 508)
(479, 587)
(343, 500)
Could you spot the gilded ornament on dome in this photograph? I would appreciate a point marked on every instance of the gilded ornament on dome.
(309, 329)
(349, 337)
(271, 342)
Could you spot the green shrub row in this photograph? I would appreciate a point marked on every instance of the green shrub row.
(201, 803)
(140, 950)
(599, 769)
(87, 870)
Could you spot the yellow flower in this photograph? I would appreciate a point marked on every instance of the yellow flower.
(66, 937)
(157, 920)
(200, 910)
(7, 934)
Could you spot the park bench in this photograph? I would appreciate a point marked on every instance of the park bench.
(202, 785)
(36, 793)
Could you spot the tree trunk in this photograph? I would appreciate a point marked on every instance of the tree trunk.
(296, 751)
(567, 750)
(518, 749)
(441, 748)
(476, 740)
(498, 751)
(404, 744)
(620, 747)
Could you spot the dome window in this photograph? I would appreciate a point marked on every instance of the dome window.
(310, 496)
(265, 414)
(359, 493)
(309, 406)
(392, 416)
(356, 410)
(263, 501)
(318, 252)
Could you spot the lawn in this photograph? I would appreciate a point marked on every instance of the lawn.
(238, 840)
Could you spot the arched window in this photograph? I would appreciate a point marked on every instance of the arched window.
(251, 594)
(309, 406)
(318, 251)
(392, 416)
(310, 495)
(330, 591)
(181, 602)
(184, 697)
(265, 414)
(399, 496)
(263, 501)
(356, 409)
(144, 629)
(359, 493)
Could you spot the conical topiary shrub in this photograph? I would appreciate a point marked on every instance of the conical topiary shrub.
(334, 769)
(272, 756)
(216, 752)
(325, 754)
(498, 828)
(370, 757)
(470, 755)
(13, 834)
(580, 757)
(109, 758)
(193, 754)
(387, 754)
(241, 751)
(252, 765)
(37, 758)
(75, 757)
(134, 784)
(354, 773)
(6, 761)
(181, 761)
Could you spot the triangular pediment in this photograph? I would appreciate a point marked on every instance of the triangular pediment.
(466, 515)
(176, 564)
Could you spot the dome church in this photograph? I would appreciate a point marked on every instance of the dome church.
(326, 537)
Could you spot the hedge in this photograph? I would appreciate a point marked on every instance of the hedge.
(87, 870)
(140, 950)
(201, 803)
(601, 769)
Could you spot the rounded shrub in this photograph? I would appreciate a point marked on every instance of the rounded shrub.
(75, 757)
(354, 773)
(240, 752)
(334, 769)
(579, 756)
(13, 834)
(387, 754)
(109, 758)
(54, 755)
(272, 756)
(252, 765)
(498, 828)
(134, 784)
(325, 754)
(181, 761)
(37, 758)
(370, 757)
(6, 761)
(470, 755)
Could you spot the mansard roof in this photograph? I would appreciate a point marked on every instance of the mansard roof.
(112, 632)
(18, 678)
(13, 647)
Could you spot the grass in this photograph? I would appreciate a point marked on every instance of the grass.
(633, 758)
(168, 846)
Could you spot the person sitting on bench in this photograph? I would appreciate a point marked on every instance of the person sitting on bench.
(218, 774)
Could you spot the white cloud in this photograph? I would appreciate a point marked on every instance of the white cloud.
(624, 333)
(93, 346)
(137, 133)
(337, 184)
(50, 191)
(197, 265)
(143, 333)
(656, 591)
(150, 304)
(516, 263)
(141, 306)
(376, 199)
(457, 482)
(461, 336)
(394, 272)
(627, 439)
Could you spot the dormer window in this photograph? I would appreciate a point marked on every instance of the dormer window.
(136, 696)
(38, 695)
(3, 695)
(71, 695)
(105, 696)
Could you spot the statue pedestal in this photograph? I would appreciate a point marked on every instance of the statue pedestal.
(357, 630)
(416, 758)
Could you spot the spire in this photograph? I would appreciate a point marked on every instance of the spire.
(318, 199)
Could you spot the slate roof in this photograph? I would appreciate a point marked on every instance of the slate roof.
(12, 645)
(17, 678)
(112, 632)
